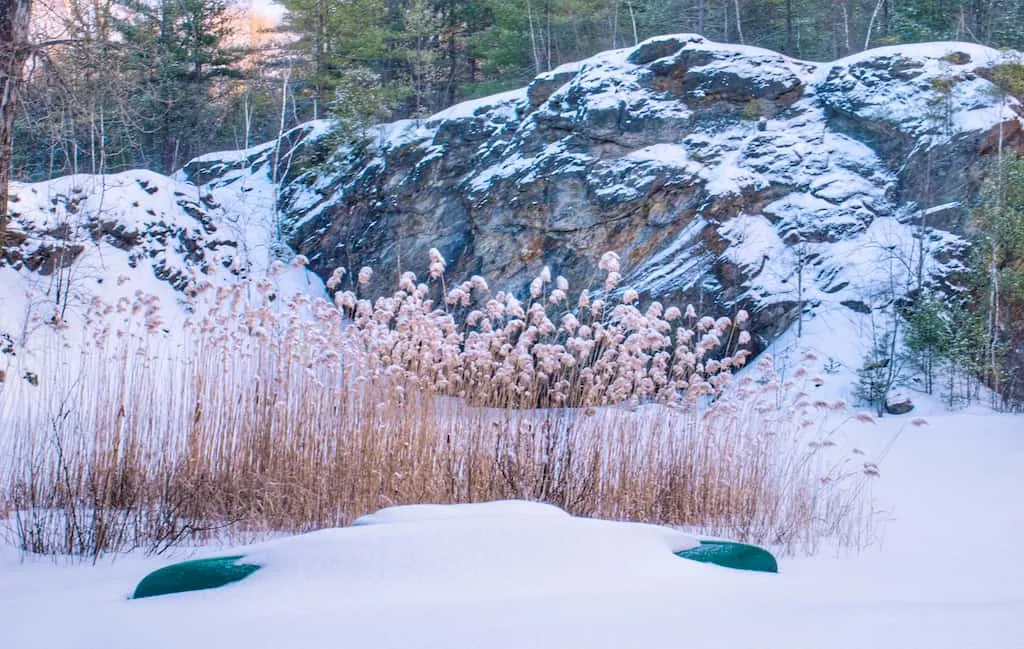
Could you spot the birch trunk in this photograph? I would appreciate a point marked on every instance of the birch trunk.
(739, 22)
(871, 23)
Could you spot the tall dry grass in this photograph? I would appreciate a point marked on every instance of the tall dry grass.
(266, 417)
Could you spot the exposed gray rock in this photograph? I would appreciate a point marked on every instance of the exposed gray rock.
(710, 168)
(545, 85)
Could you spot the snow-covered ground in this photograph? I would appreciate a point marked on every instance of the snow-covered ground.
(947, 571)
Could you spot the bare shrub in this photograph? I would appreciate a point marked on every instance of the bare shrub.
(266, 416)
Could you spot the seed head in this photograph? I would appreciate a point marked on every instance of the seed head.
(609, 262)
(335, 278)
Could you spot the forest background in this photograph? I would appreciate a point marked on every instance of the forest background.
(121, 84)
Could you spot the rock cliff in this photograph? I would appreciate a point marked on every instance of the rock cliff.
(724, 175)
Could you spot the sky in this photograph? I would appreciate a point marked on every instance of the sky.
(270, 9)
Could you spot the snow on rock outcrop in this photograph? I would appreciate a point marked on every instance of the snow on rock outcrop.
(125, 236)
(724, 175)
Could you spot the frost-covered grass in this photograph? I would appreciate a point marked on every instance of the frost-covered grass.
(295, 414)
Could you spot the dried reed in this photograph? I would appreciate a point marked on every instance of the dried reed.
(266, 417)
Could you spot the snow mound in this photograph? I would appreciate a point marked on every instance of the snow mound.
(500, 508)
(509, 546)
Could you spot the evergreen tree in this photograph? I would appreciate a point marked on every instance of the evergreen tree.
(946, 342)
(176, 54)
(334, 36)
(998, 271)
(878, 373)
(929, 336)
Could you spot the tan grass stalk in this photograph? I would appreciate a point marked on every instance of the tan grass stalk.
(289, 417)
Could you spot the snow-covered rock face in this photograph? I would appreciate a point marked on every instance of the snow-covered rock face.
(161, 225)
(724, 175)
(132, 235)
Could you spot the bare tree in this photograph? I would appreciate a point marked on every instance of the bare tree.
(871, 23)
(739, 22)
(14, 51)
(804, 258)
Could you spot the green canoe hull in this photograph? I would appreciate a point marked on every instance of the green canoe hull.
(200, 574)
(729, 554)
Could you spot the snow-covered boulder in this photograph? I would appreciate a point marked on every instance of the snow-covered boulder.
(898, 402)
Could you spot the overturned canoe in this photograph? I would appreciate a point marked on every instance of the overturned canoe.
(199, 574)
(730, 554)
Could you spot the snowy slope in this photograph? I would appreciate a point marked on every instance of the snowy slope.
(947, 574)
(127, 236)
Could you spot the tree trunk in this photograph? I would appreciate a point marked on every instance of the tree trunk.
(452, 54)
(871, 23)
(547, 35)
(14, 49)
(790, 50)
(613, 23)
(846, 31)
(725, 22)
(632, 19)
(320, 69)
(739, 22)
(533, 39)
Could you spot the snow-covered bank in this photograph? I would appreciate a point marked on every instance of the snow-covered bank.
(946, 574)
(134, 234)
